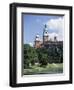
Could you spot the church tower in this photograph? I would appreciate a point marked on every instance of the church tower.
(45, 34)
(55, 38)
(37, 41)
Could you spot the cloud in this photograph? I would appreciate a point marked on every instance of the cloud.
(31, 44)
(56, 25)
(59, 37)
(51, 35)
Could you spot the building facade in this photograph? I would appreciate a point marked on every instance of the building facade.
(47, 42)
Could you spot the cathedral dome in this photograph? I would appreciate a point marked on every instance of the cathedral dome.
(37, 38)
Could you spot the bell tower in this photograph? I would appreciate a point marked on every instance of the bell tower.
(45, 34)
(55, 38)
(37, 41)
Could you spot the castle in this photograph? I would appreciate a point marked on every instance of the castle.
(46, 42)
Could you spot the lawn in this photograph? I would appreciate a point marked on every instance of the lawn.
(49, 69)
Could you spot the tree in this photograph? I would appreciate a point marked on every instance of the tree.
(60, 54)
(42, 56)
(26, 56)
(30, 55)
(33, 56)
(55, 54)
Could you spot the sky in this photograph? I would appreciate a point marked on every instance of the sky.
(33, 24)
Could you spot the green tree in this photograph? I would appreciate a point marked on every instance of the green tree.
(30, 55)
(42, 56)
(55, 54)
(26, 56)
(33, 56)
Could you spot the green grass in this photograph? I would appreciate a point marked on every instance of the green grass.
(49, 69)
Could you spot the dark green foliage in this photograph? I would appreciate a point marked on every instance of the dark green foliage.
(56, 54)
(30, 56)
(43, 56)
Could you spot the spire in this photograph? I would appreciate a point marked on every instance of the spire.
(45, 27)
(45, 32)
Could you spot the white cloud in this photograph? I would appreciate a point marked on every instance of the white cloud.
(31, 44)
(59, 37)
(56, 25)
(51, 35)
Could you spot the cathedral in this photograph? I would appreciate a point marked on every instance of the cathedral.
(47, 41)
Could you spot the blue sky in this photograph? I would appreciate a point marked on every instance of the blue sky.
(34, 24)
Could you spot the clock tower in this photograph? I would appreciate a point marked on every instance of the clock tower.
(45, 34)
(37, 41)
